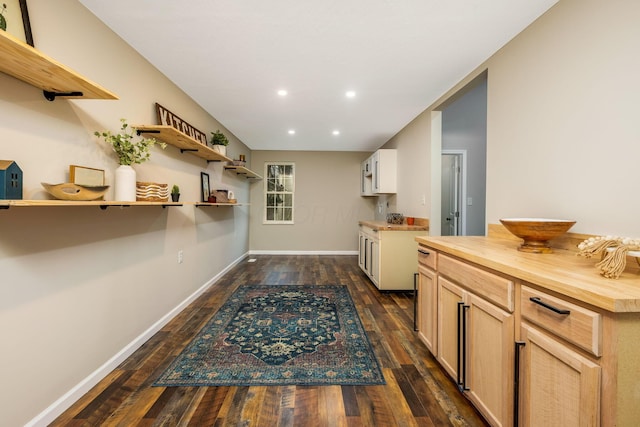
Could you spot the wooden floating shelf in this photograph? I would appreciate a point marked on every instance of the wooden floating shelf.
(185, 143)
(26, 63)
(202, 204)
(241, 170)
(102, 204)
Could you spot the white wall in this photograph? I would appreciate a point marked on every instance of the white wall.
(562, 128)
(80, 284)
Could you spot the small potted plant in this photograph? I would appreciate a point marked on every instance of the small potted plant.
(129, 151)
(219, 142)
(175, 193)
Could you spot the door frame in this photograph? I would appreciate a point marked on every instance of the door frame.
(463, 186)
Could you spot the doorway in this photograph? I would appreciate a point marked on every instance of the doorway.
(453, 215)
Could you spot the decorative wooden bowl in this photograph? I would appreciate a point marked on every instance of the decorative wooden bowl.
(536, 232)
(75, 192)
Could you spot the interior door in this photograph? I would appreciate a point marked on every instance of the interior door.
(451, 194)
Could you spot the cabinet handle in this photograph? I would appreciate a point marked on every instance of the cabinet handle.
(538, 301)
(423, 252)
(464, 347)
(516, 383)
(415, 301)
(458, 358)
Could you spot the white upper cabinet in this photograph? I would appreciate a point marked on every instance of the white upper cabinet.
(378, 173)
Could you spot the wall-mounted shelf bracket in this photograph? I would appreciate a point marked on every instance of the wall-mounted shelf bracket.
(51, 96)
(140, 132)
(186, 150)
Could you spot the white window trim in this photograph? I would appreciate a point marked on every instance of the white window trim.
(264, 193)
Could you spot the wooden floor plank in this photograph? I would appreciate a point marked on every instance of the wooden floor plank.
(418, 392)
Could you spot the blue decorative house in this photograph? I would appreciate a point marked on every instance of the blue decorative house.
(10, 180)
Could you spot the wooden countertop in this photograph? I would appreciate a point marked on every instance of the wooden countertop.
(384, 226)
(561, 271)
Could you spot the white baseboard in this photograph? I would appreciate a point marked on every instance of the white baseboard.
(69, 398)
(259, 252)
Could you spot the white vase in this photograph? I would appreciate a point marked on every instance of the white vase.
(125, 181)
(222, 149)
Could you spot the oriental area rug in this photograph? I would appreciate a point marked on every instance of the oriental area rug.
(279, 335)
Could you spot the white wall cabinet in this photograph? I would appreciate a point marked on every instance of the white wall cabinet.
(379, 173)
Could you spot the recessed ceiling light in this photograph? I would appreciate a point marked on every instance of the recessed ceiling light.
(336, 132)
(350, 94)
(292, 132)
(282, 92)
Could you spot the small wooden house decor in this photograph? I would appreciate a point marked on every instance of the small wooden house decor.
(10, 180)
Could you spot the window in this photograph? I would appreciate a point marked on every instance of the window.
(278, 192)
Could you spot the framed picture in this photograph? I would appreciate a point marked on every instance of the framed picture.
(204, 186)
(14, 19)
(89, 177)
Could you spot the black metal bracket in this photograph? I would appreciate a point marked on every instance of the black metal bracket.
(186, 150)
(51, 96)
(104, 207)
(209, 161)
(5, 206)
(140, 132)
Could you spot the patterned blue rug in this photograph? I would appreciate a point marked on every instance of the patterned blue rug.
(279, 335)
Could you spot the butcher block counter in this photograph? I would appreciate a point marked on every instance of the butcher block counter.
(383, 225)
(562, 271)
(532, 339)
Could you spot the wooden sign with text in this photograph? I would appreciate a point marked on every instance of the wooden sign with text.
(167, 118)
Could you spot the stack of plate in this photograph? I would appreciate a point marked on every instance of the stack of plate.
(152, 192)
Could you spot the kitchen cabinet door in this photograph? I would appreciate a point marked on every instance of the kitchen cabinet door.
(488, 374)
(450, 302)
(428, 309)
(558, 386)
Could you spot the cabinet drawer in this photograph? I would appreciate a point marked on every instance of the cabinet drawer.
(575, 324)
(427, 257)
(492, 287)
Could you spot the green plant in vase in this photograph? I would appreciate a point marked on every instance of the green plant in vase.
(219, 142)
(129, 151)
(175, 193)
(3, 20)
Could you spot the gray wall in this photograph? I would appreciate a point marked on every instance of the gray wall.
(464, 127)
(327, 204)
(80, 285)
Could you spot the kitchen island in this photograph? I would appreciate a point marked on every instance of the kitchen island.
(541, 338)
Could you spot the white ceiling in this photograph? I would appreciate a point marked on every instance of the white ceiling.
(399, 56)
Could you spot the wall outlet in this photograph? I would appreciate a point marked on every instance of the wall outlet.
(180, 256)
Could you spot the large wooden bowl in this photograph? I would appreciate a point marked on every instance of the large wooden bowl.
(71, 191)
(536, 232)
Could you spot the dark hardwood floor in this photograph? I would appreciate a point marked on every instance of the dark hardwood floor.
(417, 393)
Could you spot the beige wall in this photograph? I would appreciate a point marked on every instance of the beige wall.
(327, 203)
(562, 128)
(81, 284)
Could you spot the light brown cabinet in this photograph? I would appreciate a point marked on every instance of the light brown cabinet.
(475, 344)
(427, 320)
(558, 386)
(534, 340)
